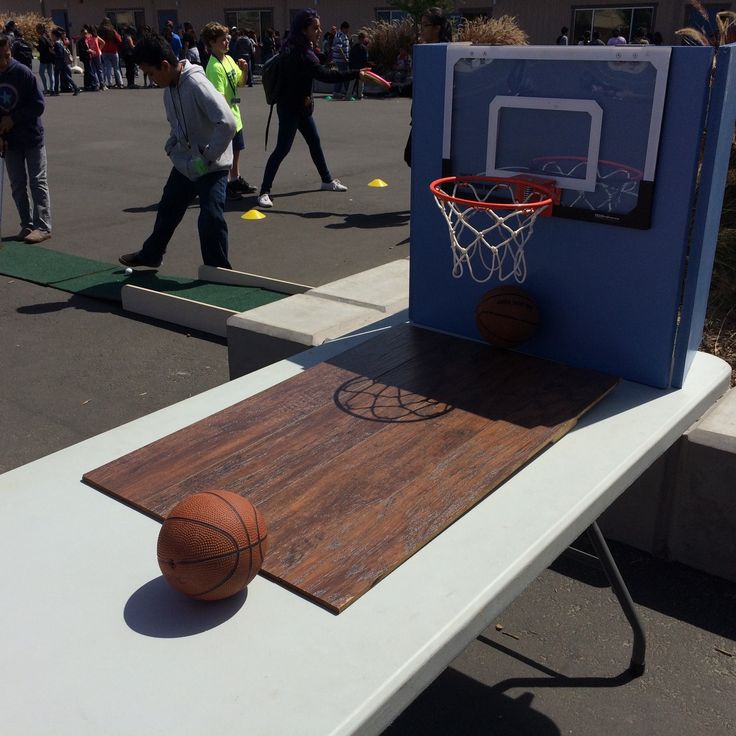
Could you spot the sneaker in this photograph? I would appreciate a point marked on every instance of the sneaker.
(265, 201)
(23, 234)
(134, 259)
(37, 236)
(231, 192)
(333, 186)
(242, 186)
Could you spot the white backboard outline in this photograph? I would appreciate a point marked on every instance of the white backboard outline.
(589, 107)
(657, 56)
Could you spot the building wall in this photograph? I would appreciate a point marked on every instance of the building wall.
(541, 20)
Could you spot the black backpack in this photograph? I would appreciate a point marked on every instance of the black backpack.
(273, 79)
(22, 51)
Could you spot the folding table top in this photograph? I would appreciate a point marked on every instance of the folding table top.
(360, 461)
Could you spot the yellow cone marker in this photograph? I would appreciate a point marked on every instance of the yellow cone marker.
(253, 215)
(377, 183)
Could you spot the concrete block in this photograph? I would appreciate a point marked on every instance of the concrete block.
(385, 288)
(703, 529)
(640, 517)
(717, 429)
(304, 319)
(247, 351)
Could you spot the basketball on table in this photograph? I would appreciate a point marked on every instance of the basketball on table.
(506, 316)
(212, 544)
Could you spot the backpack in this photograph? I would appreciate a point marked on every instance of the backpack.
(272, 78)
(21, 51)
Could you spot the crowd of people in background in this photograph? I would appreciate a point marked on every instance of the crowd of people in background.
(641, 37)
(105, 52)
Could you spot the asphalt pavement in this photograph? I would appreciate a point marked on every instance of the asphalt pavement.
(73, 367)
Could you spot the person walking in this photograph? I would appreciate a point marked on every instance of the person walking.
(340, 55)
(296, 103)
(22, 141)
(45, 58)
(62, 64)
(95, 45)
(125, 51)
(110, 59)
(227, 75)
(84, 55)
(359, 60)
(199, 146)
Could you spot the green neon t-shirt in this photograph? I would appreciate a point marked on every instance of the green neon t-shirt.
(224, 76)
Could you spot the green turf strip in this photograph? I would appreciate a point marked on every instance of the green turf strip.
(100, 280)
(43, 265)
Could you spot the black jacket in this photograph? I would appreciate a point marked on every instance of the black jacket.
(302, 69)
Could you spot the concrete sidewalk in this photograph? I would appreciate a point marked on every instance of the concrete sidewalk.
(73, 367)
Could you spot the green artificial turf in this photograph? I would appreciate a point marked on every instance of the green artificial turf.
(100, 280)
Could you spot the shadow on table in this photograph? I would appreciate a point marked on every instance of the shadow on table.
(157, 610)
(458, 705)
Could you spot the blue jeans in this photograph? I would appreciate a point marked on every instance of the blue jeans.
(177, 196)
(111, 62)
(47, 76)
(28, 165)
(62, 76)
(342, 87)
(290, 122)
(97, 74)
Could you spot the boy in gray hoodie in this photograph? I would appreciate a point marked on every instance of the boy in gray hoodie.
(202, 128)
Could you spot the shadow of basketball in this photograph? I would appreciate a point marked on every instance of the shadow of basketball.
(157, 610)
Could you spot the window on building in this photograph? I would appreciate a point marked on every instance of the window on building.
(631, 21)
(120, 17)
(389, 15)
(252, 20)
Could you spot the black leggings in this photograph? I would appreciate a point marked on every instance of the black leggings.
(290, 122)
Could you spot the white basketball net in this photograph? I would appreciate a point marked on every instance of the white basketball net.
(486, 242)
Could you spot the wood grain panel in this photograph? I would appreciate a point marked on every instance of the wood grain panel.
(359, 462)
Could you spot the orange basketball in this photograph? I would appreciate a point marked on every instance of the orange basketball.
(212, 544)
(506, 316)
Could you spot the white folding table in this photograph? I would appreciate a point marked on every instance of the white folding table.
(95, 643)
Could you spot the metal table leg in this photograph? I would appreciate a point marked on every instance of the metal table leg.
(636, 666)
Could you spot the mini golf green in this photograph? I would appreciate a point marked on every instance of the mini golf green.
(100, 280)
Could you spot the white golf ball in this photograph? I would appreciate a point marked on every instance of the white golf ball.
(128, 271)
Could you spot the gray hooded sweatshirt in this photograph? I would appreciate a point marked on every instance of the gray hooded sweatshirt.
(202, 126)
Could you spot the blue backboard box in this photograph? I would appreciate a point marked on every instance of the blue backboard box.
(635, 139)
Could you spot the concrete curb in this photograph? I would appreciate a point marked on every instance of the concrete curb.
(275, 331)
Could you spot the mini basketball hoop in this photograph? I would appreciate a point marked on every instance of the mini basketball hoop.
(490, 219)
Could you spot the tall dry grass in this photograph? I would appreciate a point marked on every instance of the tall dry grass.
(386, 39)
(503, 31)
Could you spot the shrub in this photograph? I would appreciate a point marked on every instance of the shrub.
(386, 39)
(503, 31)
(27, 23)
